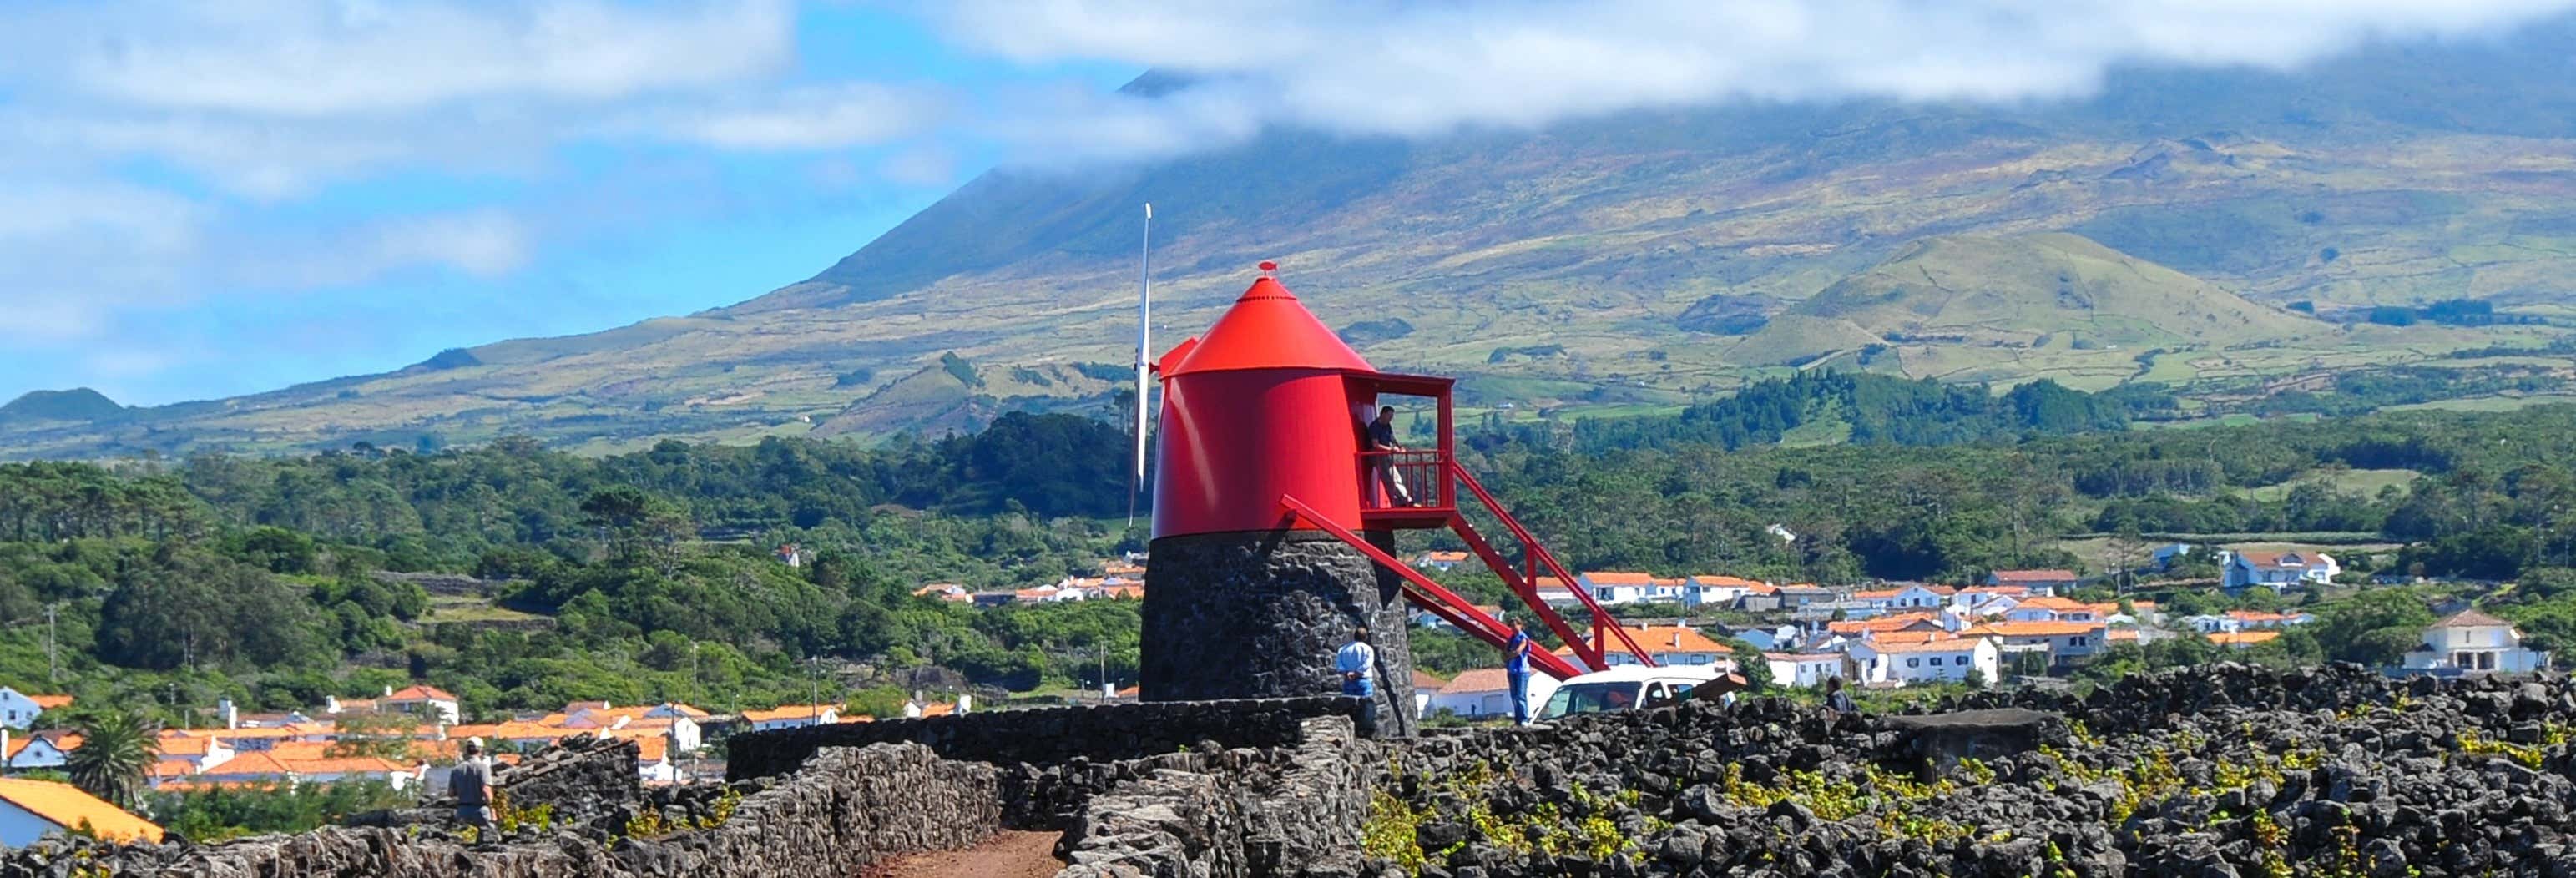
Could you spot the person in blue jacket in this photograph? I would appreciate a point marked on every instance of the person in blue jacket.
(1516, 666)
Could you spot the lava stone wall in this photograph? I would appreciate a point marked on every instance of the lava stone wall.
(1260, 615)
(1050, 736)
(848, 810)
(1292, 812)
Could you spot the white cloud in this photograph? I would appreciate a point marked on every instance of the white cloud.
(313, 58)
(804, 118)
(1368, 67)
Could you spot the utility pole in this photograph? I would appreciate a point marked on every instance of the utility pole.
(53, 668)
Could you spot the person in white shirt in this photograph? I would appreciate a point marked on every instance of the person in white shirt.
(1357, 662)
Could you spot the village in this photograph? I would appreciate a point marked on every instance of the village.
(405, 739)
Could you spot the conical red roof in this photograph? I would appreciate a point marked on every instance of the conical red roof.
(1268, 329)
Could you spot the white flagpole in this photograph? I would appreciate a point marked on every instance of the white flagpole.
(1144, 354)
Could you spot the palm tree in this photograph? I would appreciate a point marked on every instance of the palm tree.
(116, 750)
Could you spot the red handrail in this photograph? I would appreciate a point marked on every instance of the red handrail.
(1530, 546)
(1423, 592)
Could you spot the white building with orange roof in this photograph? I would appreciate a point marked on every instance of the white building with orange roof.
(438, 704)
(1554, 591)
(1616, 586)
(1804, 670)
(1714, 590)
(1947, 660)
(790, 716)
(1667, 645)
(2473, 642)
(2055, 609)
(2062, 641)
(1441, 560)
(1908, 596)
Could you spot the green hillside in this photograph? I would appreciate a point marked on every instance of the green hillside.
(2041, 290)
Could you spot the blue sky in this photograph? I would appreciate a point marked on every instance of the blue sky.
(207, 199)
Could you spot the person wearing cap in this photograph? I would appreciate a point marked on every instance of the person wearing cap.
(471, 782)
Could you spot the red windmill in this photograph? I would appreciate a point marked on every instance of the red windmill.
(1261, 431)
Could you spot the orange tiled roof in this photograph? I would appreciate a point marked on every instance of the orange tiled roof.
(172, 768)
(2053, 603)
(344, 765)
(1423, 679)
(50, 702)
(1882, 624)
(1948, 644)
(1477, 680)
(1446, 557)
(1726, 581)
(1907, 636)
(938, 709)
(788, 711)
(2038, 629)
(1662, 639)
(250, 763)
(421, 693)
(67, 806)
(2034, 576)
(1618, 577)
(1876, 594)
(2243, 638)
(291, 751)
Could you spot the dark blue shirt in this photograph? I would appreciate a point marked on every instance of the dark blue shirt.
(1516, 654)
(1382, 433)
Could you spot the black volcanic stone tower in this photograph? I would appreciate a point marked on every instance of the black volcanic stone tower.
(1257, 615)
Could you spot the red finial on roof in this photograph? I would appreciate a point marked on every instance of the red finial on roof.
(1269, 268)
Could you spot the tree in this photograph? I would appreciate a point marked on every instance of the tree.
(117, 750)
(2375, 627)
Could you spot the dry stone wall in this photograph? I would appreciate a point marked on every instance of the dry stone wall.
(1050, 736)
(2220, 771)
(1286, 812)
(848, 809)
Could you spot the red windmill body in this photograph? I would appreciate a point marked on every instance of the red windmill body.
(1263, 420)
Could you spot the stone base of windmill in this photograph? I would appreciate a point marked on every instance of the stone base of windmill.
(1260, 615)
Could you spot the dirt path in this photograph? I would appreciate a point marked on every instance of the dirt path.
(1005, 855)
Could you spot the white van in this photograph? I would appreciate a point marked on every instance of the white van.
(1625, 688)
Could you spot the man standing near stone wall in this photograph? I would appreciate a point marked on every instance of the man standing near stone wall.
(1357, 662)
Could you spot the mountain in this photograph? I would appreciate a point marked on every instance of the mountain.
(1646, 258)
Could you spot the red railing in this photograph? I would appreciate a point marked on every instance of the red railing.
(1412, 478)
(1416, 469)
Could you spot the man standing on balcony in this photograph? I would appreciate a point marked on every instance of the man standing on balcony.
(1381, 436)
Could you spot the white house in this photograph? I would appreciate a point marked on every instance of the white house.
(1911, 596)
(1440, 560)
(790, 716)
(1707, 590)
(1931, 661)
(2052, 609)
(439, 705)
(2474, 642)
(2234, 621)
(1803, 669)
(2064, 641)
(1425, 685)
(2246, 569)
(18, 710)
(1487, 692)
(1616, 587)
(1667, 644)
(33, 809)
